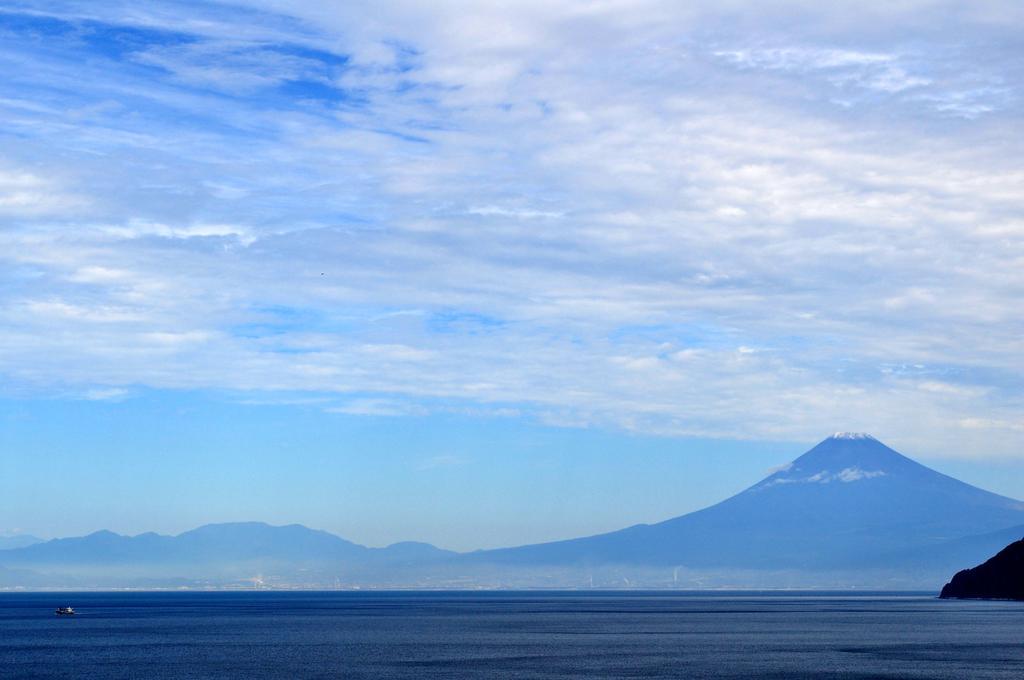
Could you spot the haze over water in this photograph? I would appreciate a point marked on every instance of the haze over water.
(524, 635)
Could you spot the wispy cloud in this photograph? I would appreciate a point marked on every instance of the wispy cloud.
(108, 394)
(844, 476)
(871, 70)
(377, 407)
(587, 214)
(943, 81)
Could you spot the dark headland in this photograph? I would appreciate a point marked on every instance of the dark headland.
(1000, 578)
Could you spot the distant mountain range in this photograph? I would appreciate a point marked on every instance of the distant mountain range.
(849, 512)
(216, 554)
(18, 541)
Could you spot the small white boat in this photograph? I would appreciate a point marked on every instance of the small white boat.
(65, 611)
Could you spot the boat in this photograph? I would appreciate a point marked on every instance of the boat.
(65, 611)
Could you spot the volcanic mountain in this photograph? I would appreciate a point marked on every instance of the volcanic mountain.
(849, 503)
(849, 512)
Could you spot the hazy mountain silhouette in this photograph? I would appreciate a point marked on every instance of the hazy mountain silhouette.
(25, 578)
(850, 502)
(849, 511)
(211, 543)
(18, 541)
(217, 552)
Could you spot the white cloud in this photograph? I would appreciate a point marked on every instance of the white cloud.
(802, 58)
(105, 394)
(869, 70)
(27, 195)
(577, 213)
(844, 476)
(948, 91)
(376, 407)
(142, 228)
(854, 474)
(493, 210)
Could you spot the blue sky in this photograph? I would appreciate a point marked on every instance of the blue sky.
(491, 274)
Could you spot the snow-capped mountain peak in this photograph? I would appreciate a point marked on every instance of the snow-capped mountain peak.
(851, 435)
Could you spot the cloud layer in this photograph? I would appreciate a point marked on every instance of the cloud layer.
(716, 221)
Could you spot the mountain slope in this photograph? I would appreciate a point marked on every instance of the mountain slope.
(850, 502)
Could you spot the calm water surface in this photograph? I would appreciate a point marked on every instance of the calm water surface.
(495, 635)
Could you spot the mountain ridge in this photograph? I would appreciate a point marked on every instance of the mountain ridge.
(850, 510)
(18, 541)
(239, 539)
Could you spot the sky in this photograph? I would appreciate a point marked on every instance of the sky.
(483, 273)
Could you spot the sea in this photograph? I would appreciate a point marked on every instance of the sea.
(588, 634)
